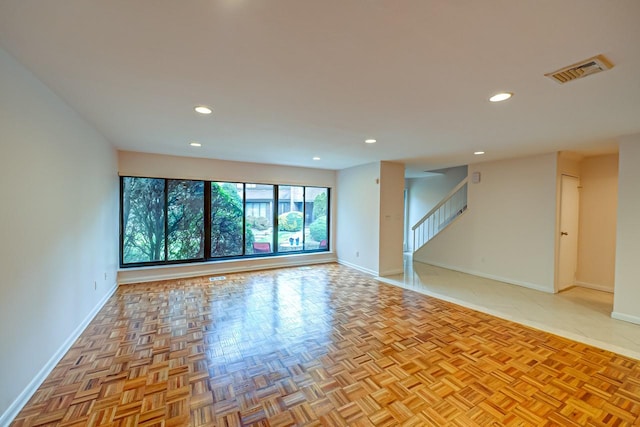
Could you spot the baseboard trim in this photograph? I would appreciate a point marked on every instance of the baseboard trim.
(255, 264)
(14, 409)
(529, 285)
(595, 286)
(625, 317)
(392, 272)
(357, 267)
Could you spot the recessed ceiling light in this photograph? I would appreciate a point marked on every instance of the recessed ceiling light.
(370, 141)
(477, 153)
(316, 158)
(203, 109)
(502, 96)
(195, 144)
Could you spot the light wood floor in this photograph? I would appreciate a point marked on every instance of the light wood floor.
(323, 345)
(578, 313)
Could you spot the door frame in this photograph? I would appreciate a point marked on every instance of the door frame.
(558, 230)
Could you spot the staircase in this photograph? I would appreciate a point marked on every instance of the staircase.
(442, 214)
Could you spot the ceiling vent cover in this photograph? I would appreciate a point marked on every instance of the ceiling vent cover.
(581, 69)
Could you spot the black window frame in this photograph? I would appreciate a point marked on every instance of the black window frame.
(207, 224)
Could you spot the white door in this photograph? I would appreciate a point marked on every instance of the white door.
(569, 208)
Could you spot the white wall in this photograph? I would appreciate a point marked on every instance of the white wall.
(391, 218)
(568, 164)
(425, 193)
(58, 227)
(627, 275)
(597, 230)
(508, 230)
(358, 217)
(161, 166)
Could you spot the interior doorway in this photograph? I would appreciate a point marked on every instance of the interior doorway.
(569, 216)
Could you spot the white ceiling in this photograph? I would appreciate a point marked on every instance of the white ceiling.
(293, 79)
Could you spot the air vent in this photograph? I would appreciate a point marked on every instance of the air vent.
(581, 69)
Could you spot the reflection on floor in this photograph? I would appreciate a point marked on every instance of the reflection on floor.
(577, 313)
(324, 346)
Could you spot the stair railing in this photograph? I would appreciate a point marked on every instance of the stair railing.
(442, 214)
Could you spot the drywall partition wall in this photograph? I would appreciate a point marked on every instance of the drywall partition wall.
(425, 193)
(597, 229)
(358, 217)
(391, 218)
(508, 230)
(162, 166)
(627, 282)
(58, 227)
(569, 164)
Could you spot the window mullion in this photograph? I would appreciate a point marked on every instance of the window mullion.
(304, 217)
(244, 218)
(207, 220)
(166, 220)
(274, 213)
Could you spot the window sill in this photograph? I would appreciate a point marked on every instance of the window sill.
(132, 275)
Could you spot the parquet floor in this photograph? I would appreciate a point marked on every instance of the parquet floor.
(323, 345)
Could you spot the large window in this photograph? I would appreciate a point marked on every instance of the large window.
(143, 225)
(172, 221)
(291, 218)
(185, 213)
(316, 201)
(259, 218)
(227, 219)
